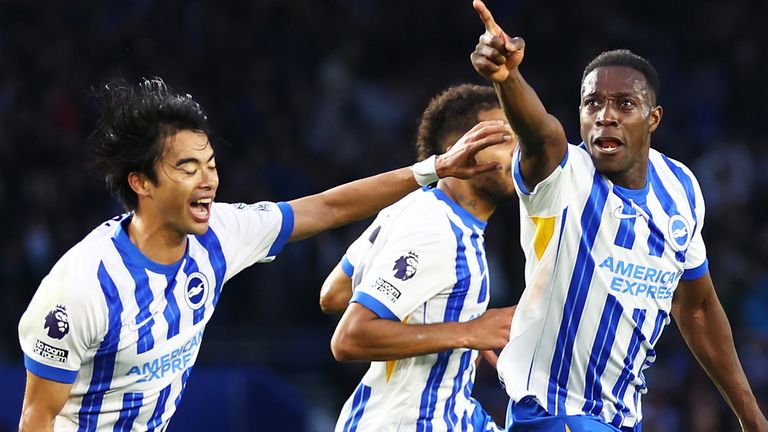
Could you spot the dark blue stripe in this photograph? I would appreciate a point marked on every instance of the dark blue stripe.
(189, 268)
(667, 203)
(211, 243)
(286, 229)
(347, 266)
(360, 399)
(144, 298)
(450, 404)
(656, 237)
(104, 359)
(601, 352)
(626, 376)
(453, 308)
(374, 305)
(49, 372)
(625, 237)
(661, 319)
(129, 412)
(171, 312)
(480, 252)
(184, 378)
(687, 183)
(466, 217)
(577, 295)
(157, 415)
(696, 272)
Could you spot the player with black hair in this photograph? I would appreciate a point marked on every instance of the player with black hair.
(611, 230)
(112, 333)
(414, 288)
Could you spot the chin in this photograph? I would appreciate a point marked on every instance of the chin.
(198, 229)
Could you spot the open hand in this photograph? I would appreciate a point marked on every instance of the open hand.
(459, 161)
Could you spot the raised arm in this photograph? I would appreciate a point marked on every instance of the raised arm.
(362, 198)
(43, 400)
(705, 328)
(362, 336)
(542, 138)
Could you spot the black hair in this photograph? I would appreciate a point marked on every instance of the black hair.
(625, 57)
(133, 125)
(449, 115)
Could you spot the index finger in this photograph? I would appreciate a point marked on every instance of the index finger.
(487, 18)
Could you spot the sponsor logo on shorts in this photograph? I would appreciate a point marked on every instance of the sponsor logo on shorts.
(387, 289)
(50, 352)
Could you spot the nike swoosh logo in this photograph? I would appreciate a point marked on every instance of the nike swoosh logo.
(136, 326)
(618, 213)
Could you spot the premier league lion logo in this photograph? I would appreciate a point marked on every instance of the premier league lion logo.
(405, 266)
(57, 322)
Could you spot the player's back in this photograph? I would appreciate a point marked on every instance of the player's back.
(421, 261)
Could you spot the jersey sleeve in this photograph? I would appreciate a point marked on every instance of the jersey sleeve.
(550, 196)
(696, 263)
(416, 262)
(62, 323)
(252, 233)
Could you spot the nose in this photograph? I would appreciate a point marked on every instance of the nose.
(209, 179)
(607, 116)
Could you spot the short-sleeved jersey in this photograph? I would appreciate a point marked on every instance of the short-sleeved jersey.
(602, 265)
(421, 261)
(124, 330)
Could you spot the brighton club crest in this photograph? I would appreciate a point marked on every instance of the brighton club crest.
(405, 266)
(196, 290)
(57, 322)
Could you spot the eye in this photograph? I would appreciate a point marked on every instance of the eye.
(628, 103)
(188, 172)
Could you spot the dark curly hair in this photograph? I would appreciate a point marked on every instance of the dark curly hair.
(625, 57)
(449, 115)
(131, 130)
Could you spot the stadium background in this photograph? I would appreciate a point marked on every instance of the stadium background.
(307, 94)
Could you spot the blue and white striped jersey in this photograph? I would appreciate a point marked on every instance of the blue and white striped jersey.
(602, 265)
(421, 261)
(125, 330)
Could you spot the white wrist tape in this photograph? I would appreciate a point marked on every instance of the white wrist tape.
(425, 172)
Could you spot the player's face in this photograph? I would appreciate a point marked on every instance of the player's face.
(186, 183)
(618, 116)
(496, 185)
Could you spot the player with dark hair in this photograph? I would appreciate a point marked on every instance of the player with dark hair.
(611, 230)
(417, 285)
(113, 331)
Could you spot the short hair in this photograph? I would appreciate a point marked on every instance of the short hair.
(449, 115)
(625, 57)
(133, 125)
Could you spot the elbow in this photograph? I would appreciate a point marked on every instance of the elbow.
(344, 347)
(331, 305)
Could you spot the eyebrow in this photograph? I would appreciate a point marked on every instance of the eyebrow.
(183, 161)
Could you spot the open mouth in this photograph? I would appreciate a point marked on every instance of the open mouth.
(607, 145)
(201, 209)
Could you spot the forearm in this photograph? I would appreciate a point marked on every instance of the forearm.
(391, 340)
(526, 113)
(32, 421)
(708, 334)
(351, 201)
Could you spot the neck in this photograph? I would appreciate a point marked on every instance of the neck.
(158, 243)
(464, 195)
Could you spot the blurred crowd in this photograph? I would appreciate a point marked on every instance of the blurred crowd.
(307, 94)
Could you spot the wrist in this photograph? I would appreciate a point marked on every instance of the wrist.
(426, 171)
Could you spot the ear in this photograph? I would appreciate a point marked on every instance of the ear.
(139, 183)
(657, 113)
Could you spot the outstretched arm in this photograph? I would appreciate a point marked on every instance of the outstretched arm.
(43, 399)
(336, 291)
(705, 328)
(542, 138)
(362, 198)
(362, 336)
